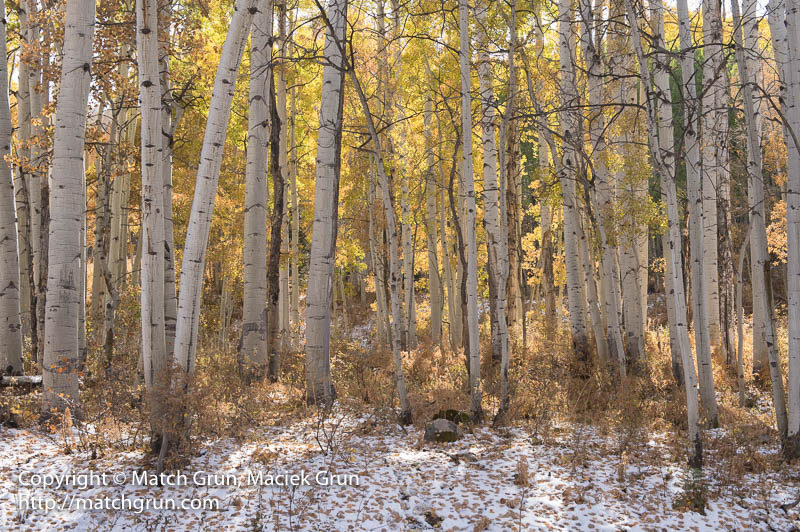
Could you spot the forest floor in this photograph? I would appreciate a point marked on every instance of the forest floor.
(575, 477)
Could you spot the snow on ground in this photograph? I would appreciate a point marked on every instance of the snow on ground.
(489, 480)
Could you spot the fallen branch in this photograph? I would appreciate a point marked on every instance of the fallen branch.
(34, 380)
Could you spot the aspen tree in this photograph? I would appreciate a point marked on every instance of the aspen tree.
(467, 178)
(319, 387)
(60, 368)
(758, 242)
(696, 234)
(659, 121)
(10, 327)
(254, 318)
(154, 353)
(194, 254)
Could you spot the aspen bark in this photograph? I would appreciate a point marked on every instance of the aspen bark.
(274, 278)
(759, 253)
(194, 255)
(784, 21)
(603, 189)
(659, 121)
(283, 162)
(28, 281)
(169, 124)
(667, 146)
(467, 178)
(576, 296)
(295, 213)
(713, 120)
(154, 350)
(60, 378)
(405, 416)
(319, 387)
(10, 327)
(254, 313)
(696, 218)
(431, 226)
(496, 237)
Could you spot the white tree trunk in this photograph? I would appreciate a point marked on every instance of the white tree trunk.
(154, 353)
(194, 255)
(496, 236)
(785, 29)
(376, 262)
(666, 145)
(319, 388)
(169, 124)
(254, 312)
(759, 253)
(576, 295)
(469, 223)
(60, 378)
(604, 207)
(659, 121)
(24, 213)
(431, 226)
(713, 120)
(696, 223)
(10, 328)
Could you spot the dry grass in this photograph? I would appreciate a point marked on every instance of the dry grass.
(546, 396)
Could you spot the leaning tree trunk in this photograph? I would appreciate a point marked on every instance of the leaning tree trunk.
(194, 254)
(660, 127)
(254, 312)
(10, 328)
(404, 416)
(319, 387)
(467, 178)
(61, 362)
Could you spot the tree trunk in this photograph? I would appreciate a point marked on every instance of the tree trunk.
(696, 219)
(474, 357)
(254, 312)
(319, 388)
(603, 189)
(22, 192)
(154, 354)
(10, 327)
(283, 161)
(431, 226)
(276, 142)
(759, 253)
(576, 296)
(496, 238)
(784, 24)
(60, 379)
(713, 120)
(194, 255)
(659, 121)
